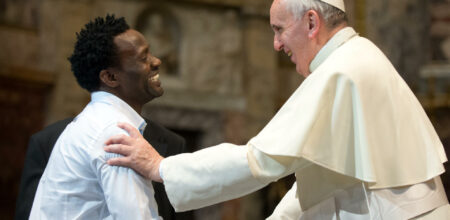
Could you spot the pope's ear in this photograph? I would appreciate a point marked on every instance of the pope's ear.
(109, 78)
(314, 23)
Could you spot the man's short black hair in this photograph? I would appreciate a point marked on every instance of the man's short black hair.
(95, 50)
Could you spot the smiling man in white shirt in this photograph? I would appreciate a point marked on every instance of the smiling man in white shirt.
(114, 63)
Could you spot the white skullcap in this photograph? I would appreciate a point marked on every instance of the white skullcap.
(336, 3)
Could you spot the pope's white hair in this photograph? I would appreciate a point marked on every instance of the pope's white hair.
(331, 14)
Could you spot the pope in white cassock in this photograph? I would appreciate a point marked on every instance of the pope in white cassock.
(357, 139)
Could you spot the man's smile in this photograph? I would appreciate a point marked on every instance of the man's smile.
(154, 78)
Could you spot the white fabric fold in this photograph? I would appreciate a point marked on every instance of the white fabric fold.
(358, 202)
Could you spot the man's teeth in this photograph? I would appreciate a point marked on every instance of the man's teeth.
(289, 53)
(154, 78)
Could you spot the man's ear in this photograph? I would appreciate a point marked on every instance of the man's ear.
(314, 23)
(109, 78)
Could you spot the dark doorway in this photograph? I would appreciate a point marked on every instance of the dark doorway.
(22, 105)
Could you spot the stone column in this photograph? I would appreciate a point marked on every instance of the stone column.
(259, 73)
(260, 84)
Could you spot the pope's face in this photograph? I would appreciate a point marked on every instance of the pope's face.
(291, 36)
(139, 69)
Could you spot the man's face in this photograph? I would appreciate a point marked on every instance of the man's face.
(291, 36)
(138, 72)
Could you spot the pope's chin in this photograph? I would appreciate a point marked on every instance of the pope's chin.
(298, 68)
(304, 73)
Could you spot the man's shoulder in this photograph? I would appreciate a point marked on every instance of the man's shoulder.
(355, 56)
(95, 120)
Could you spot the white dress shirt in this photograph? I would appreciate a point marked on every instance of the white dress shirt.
(77, 182)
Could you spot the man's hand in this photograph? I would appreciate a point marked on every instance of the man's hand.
(139, 155)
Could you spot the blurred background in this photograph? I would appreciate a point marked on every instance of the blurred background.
(223, 81)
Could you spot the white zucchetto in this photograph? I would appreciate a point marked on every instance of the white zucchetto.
(336, 3)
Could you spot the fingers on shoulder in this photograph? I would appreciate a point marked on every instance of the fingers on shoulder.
(118, 139)
(120, 161)
(129, 128)
(118, 149)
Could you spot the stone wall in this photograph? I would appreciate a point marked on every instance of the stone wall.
(440, 30)
(436, 76)
(400, 29)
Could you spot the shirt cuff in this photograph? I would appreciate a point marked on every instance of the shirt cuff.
(161, 169)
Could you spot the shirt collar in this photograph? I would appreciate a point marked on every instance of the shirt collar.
(336, 41)
(135, 119)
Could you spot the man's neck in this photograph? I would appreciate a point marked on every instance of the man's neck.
(135, 105)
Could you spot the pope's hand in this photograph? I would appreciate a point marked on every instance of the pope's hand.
(138, 154)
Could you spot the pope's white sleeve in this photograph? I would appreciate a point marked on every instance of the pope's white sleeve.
(268, 168)
(288, 208)
(208, 176)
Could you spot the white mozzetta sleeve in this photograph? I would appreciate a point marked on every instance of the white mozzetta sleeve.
(288, 208)
(208, 176)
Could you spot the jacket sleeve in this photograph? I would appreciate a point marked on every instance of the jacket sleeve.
(34, 166)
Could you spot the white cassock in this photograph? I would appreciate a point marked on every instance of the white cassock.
(354, 134)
